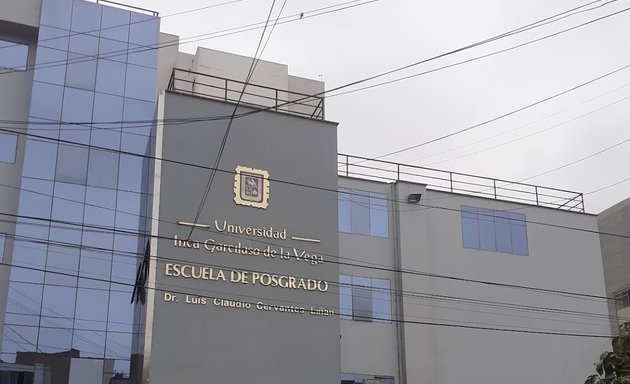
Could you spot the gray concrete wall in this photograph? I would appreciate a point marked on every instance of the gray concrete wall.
(614, 224)
(428, 239)
(205, 341)
(24, 12)
(15, 97)
(368, 347)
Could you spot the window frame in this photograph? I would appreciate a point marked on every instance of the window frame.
(10, 136)
(11, 47)
(481, 226)
(354, 204)
(351, 291)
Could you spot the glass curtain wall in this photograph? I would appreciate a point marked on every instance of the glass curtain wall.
(78, 236)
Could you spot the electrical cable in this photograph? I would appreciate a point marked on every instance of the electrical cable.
(250, 73)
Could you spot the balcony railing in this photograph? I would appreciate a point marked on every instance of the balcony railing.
(361, 167)
(253, 95)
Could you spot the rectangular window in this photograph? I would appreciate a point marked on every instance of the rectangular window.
(363, 213)
(497, 231)
(364, 299)
(8, 147)
(14, 55)
(2, 239)
(622, 299)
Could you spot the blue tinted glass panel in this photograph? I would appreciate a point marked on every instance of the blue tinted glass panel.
(110, 78)
(23, 338)
(14, 55)
(65, 234)
(60, 264)
(470, 227)
(50, 65)
(25, 299)
(120, 312)
(58, 302)
(72, 164)
(360, 212)
(51, 37)
(43, 128)
(361, 299)
(128, 210)
(130, 174)
(140, 83)
(103, 169)
(39, 159)
(56, 13)
(81, 72)
(77, 108)
(519, 234)
(378, 214)
(345, 297)
(8, 148)
(28, 254)
(54, 337)
(138, 116)
(107, 109)
(95, 269)
(119, 347)
(381, 300)
(86, 17)
(68, 202)
(35, 198)
(91, 312)
(114, 35)
(46, 101)
(143, 39)
(2, 240)
(486, 230)
(83, 45)
(91, 343)
(502, 231)
(344, 210)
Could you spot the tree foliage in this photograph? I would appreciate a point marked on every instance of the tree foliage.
(614, 367)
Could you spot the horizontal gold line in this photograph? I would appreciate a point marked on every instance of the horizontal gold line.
(306, 239)
(193, 224)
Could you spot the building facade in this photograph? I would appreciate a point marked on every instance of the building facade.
(614, 224)
(129, 254)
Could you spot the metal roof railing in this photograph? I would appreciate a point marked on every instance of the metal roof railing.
(440, 180)
(254, 95)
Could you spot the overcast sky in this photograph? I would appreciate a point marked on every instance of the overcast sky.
(378, 36)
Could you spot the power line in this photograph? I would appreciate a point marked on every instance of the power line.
(523, 126)
(337, 259)
(296, 17)
(512, 112)
(527, 331)
(250, 73)
(182, 121)
(183, 163)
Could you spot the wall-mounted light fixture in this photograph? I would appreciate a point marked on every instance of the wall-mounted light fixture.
(414, 198)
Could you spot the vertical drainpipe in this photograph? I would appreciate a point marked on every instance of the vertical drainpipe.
(399, 308)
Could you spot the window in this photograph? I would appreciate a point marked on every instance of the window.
(498, 231)
(353, 378)
(2, 237)
(364, 299)
(13, 55)
(622, 299)
(8, 147)
(362, 213)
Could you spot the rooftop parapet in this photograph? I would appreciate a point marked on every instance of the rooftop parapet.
(462, 183)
